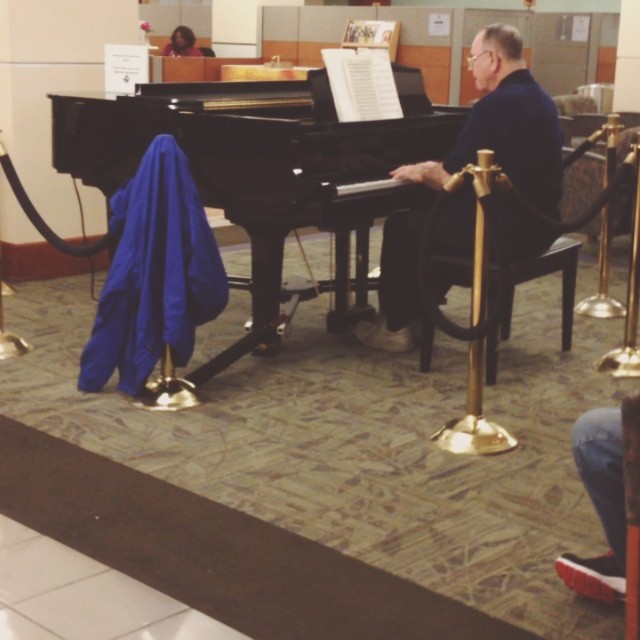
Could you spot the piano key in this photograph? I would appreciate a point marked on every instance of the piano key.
(370, 186)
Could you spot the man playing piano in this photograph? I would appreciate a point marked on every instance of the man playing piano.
(517, 120)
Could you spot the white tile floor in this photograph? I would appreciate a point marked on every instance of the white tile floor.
(51, 592)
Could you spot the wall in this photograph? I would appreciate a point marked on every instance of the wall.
(42, 52)
(542, 6)
(627, 92)
(559, 61)
(164, 18)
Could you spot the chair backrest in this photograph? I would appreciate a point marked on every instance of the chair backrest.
(572, 104)
(566, 126)
(207, 52)
(626, 139)
(582, 182)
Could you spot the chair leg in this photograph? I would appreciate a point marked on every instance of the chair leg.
(505, 331)
(633, 603)
(428, 337)
(569, 275)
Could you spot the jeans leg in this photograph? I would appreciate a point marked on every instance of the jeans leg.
(597, 449)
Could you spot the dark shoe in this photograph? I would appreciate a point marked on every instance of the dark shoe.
(597, 578)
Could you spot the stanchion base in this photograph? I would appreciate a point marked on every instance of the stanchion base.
(473, 435)
(7, 289)
(601, 306)
(620, 363)
(12, 346)
(167, 394)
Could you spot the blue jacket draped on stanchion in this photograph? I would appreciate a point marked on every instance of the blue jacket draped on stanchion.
(166, 278)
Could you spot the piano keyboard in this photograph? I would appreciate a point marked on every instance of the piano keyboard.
(373, 185)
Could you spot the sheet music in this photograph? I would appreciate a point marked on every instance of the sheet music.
(362, 84)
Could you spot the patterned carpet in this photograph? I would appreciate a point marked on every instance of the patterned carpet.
(331, 440)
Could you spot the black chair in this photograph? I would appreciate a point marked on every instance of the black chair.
(207, 52)
(561, 256)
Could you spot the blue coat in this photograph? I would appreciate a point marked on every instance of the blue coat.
(166, 277)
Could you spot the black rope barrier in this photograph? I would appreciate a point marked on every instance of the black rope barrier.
(497, 235)
(428, 278)
(623, 177)
(78, 251)
(579, 151)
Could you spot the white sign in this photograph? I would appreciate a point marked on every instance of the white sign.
(440, 24)
(124, 66)
(580, 31)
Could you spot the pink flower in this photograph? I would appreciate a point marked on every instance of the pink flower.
(145, 26)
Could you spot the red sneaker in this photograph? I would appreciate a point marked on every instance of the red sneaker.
(597, 578)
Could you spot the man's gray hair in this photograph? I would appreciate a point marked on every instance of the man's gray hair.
(504, 38)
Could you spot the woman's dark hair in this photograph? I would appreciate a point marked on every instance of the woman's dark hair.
(186, 33)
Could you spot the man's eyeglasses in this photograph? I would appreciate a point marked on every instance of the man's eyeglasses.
(471, 59)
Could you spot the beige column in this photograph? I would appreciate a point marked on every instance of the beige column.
(51, 47)
(626, 96)
(236, 25)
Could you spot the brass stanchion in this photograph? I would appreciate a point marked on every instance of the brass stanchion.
(625, 361)
(167, 393)
(602, 305)
(474, 434)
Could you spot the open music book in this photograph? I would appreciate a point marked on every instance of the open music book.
(362, 84)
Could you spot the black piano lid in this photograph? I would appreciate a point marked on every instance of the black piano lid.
(200, 94)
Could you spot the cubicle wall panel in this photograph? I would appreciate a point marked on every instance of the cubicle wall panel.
(610, 27)
(198, 18)
(310, 53)
(280, 24)
(606, 67)
(163, 18)
(284, 50)
(421, 26)
(561, 52)
(477, 19)
(328, 24)
(435, 65)
(564, 51)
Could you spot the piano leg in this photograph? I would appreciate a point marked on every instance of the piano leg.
(362, 267)
(267, 255)
(342, 318)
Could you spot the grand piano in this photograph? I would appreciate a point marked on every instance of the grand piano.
(272, 156)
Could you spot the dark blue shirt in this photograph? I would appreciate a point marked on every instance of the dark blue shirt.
(519, 123)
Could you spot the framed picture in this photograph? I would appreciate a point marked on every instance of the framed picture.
(372, 34)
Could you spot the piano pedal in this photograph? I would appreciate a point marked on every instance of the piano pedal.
(284, 328)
